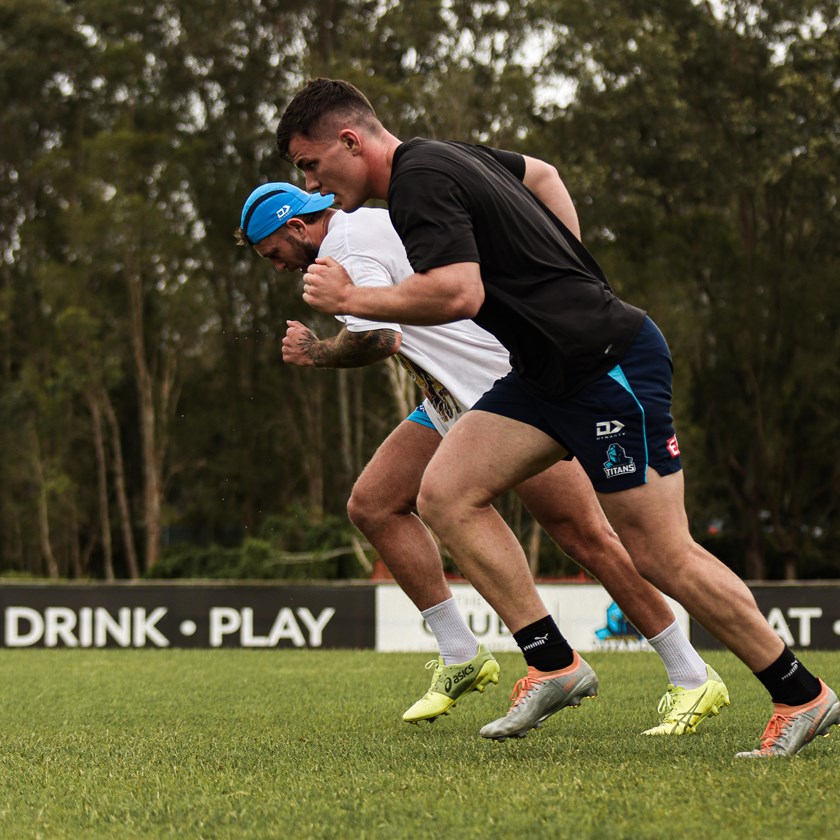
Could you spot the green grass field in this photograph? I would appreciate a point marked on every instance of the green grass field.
(310, 744)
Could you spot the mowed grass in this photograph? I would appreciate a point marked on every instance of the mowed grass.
(310, 744)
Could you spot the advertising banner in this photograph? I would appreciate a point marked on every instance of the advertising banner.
(186, 616)
(805, 615)
(380, 617)
(586, 614)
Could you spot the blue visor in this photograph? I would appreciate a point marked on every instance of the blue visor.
(270, 206)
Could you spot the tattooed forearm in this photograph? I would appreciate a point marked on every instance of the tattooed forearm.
(354, 349)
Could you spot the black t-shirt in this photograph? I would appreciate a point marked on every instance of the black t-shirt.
(546, 299)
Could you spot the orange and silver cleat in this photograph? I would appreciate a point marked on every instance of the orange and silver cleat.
(792, 727)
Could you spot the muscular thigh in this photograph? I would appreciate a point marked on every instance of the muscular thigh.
(486, 454)
(562, 493)
(392, 476)
(651, 519)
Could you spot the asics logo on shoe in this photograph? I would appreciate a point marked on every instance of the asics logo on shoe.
(684, 709)
(688, 714)
(455, 679)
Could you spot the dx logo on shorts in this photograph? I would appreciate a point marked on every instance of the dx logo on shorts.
(608, 427)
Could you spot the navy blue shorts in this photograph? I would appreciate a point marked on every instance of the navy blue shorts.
(617, 426)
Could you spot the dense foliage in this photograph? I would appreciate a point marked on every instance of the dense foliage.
(143, 402)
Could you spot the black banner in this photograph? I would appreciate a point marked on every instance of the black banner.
(804, 615)
(230, 615)
(186, 616)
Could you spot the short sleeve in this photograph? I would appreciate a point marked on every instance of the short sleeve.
(512, 161)
(366, 272)
(431, 215)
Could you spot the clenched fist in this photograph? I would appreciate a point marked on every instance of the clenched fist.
(298, 344)
(327, 286)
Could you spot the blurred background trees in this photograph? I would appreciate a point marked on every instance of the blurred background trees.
(145, 413)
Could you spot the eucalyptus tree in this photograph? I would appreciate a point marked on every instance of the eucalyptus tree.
(703, 141)
(40, 52)
(132, 141)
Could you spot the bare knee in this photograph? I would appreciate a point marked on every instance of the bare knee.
(445, 505)
(596, 549)
(439, 506)
(369, 508)
(359, 511)
(430, 505)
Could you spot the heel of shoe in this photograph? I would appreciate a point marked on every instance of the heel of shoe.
(488, 675)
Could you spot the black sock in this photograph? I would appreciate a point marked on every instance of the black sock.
(543, 646)
(789, 681)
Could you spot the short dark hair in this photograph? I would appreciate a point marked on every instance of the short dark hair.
(318, 99)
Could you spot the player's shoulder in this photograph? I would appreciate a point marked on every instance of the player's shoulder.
(424, 166)
(451, 160)
(367, 225)
(366, 232)
(420, 149)
(359, 223)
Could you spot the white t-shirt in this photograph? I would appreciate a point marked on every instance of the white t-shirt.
(453, 364)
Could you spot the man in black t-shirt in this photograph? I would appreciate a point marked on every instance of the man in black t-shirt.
(456, 203)
(591, 377)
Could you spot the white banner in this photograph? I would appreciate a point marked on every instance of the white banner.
(585, 614)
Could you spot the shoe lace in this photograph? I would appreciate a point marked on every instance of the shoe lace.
(433, 663)
(669, 700)
(775, 729)
(520, 689)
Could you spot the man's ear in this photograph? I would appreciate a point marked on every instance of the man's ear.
(295, 226)
(350, 140)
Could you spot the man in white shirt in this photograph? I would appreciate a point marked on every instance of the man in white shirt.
(454, 364)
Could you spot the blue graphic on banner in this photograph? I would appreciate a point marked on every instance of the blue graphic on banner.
(619, 633)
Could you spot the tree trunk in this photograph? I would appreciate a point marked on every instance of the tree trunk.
(126, 525)
(102, 484)
(403, 389)
(75, 550)
(533, 548)
(43, 505)
(791, 565)
(755, 566)
(358, 425)
(303, 425)
(314, 455)
(146, 408)
(345, 426)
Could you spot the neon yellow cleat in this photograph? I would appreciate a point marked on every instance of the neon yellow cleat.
(451, 682)
(683, 709)
(792, 727)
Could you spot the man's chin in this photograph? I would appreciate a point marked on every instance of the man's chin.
(345, 207)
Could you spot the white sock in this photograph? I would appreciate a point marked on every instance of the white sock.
(456, 641)
(682, 662)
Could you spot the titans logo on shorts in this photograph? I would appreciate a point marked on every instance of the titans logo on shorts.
(618, 426)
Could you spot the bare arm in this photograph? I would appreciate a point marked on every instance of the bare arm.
(438, 296)
(345, 350)
(543, 180)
